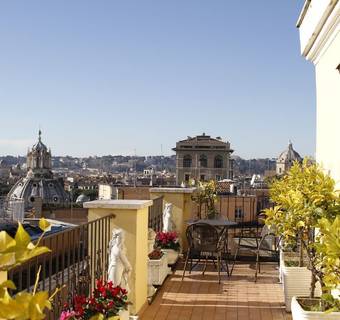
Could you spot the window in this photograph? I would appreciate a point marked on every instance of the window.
(187, 160)
(203, 161)
(218, 178)
(202, 178)
(218, 163)
(187, 177)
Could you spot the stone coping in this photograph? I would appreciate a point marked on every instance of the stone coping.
(172, 190)
(118, 204)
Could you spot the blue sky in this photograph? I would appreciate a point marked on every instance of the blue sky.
(109, 77)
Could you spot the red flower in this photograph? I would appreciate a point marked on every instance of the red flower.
(115, 291)
(105, 299)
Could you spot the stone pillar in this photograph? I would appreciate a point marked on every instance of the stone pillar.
(182, 207)
(132, 217)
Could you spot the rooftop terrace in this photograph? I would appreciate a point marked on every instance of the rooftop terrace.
(200, 297)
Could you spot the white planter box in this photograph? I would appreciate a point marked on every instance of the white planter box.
(157, 271)
(296, 282)
(286, 255)
(172, 255)
(281, 266)
(299, 314)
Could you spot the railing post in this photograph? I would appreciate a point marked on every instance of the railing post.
(132, 217)
(182, 206)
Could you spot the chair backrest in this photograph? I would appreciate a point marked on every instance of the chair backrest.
(268, 237)
(202, 237)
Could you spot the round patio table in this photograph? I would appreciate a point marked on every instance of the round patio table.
(219, 222)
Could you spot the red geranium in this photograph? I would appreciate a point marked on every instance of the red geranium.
(167, 240)
(105, 299)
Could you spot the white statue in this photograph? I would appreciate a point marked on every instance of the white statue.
(119, 266)
(168, 224)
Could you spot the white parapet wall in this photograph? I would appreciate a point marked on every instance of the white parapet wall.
(319, 27)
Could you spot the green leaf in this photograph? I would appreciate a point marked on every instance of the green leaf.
(37, 305)
(22, 238)
(24, 255)
(7, 260)
(99, 316)
(300, 224)
(6, 241)
(44, 224)
(8, 284)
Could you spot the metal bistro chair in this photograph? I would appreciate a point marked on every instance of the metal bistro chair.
(267, 242)
(204, 241)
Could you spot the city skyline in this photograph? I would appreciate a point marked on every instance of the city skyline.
(130, 78)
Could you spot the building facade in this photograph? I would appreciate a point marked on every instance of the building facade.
(39, 184)
(203, 158)
(319, 27)
(286, 160)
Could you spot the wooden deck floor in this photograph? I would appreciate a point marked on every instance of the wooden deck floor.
(236, 298)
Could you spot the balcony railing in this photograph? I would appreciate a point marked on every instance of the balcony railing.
(156, 214)
(78, 257)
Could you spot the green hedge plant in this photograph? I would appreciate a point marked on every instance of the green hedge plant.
(303, 197)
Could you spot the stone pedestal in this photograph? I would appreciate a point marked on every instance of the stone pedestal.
(182, 207)
(132, 217)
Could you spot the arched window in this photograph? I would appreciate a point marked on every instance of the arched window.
(218, 163)
(203, 161)
(187, 160)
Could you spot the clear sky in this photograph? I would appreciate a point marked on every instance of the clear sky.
(109, 77)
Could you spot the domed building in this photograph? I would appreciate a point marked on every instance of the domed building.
(39, 183)
(286, 159)
(82, 198)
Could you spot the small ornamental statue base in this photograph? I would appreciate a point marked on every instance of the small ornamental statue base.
(172, 256)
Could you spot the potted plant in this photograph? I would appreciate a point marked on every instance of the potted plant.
(168, 242)
(157, 267)
(206, 195)
(303, 196)
(108, 301)
(326, 267)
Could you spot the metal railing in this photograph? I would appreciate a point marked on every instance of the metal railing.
(78, 257)
(155, 220)
(237, 208)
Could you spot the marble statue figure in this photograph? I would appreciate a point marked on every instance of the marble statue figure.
(168, 224)
(119, 266)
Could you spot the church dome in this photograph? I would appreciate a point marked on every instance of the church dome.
(50, 191)
(39, 146)
(82, 198)
(289, 155)
(39, 182)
